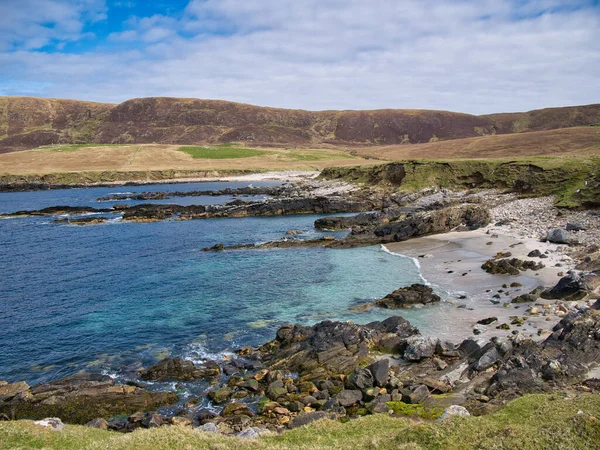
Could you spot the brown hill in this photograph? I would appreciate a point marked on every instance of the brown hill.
(32, 122)
(561, 142)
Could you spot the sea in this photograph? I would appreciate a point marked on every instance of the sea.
(114, 297)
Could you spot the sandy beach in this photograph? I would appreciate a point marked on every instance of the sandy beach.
(451, 263)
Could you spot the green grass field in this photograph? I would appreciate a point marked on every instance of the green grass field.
(555, 421)
(221, 151)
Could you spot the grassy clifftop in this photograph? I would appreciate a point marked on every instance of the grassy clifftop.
(574, 181)
(530, 422)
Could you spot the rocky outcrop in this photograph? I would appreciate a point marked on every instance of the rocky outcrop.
(330, 348)
(78, 399)
(571, 287)
(277, 191)
(58, 210)
(151, 212)
(406, 297)
(512, 266)
(432, 222)
(181, 370)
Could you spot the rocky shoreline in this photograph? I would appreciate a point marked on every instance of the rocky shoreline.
(341, 370)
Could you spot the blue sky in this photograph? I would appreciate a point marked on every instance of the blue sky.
(475, 56)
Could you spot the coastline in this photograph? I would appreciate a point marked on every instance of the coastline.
(13, 183)
(451, 263)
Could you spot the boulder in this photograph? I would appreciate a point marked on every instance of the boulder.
(360, 379)
(236, 409)
(276, 389)
(379, 369)
(305, 419)
(349, 397)
(558, 236)
(419, 348)
(416, 294)
(487, 360)
(51, 423)
(571, 287)
(419, 394)
(220, 395)
(454, 410)
(576, 226)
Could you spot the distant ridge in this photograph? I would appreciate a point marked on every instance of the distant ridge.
(27, 122)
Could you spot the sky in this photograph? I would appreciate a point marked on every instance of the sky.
(472, 56)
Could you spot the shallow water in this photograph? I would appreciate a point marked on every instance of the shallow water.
(110, 297)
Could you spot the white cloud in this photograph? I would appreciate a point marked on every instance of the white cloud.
(31, 24)
(474, 56)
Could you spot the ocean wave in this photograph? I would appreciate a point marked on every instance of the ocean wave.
(198, 354)
(414, 260)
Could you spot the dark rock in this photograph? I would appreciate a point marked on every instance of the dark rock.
(487, 360)
(180, 369)
(419, 394)
(558, 236)
(576, 226)
(82, 398)
(330, 348)
(220, 395)
(360, 379)
(380, 370)
(276, 390)
(408, 296)
(535, 254)
(487, 321)
(349, 397)
(431, 222)
(525, 298)
(571, 287)
(470, 348)
(446, 348)
(236, 409)
(512, 266)
(305, 419)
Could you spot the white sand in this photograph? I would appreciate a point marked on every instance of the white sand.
(463, 253)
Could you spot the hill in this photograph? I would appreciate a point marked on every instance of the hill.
(560, 142)
(27, 123)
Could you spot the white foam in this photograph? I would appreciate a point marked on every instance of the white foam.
(414, 260)
(198, 354)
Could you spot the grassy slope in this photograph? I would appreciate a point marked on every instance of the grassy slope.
(566, 141)
(574, 181)
(531, 422)
(115, 162)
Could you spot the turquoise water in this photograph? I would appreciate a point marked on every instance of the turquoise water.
(110, 297)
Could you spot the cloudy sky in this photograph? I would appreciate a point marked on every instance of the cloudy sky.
(475, 56)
